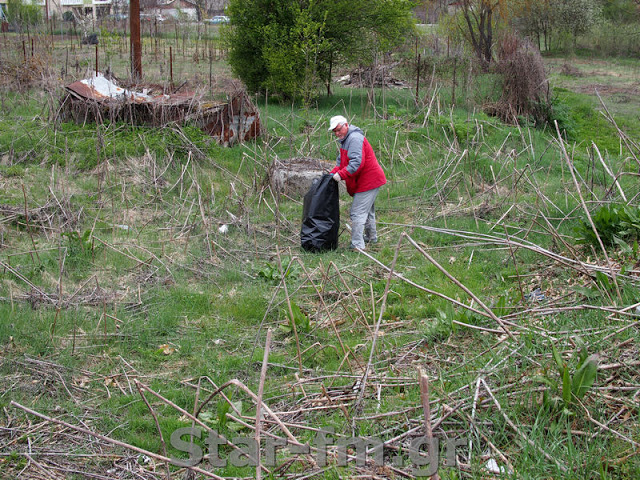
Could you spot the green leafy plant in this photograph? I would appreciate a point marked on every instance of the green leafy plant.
(302, 322)
(271, 272)
(220, 420)
(79, 243)
(80, 249)
(616, 225)
(571, 386)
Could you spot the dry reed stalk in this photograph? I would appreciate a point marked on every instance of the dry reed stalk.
(463, 287)
(111, 440)
(324, 304)
(517, 243)
(426, 408)
(431, 292)
(155, 419)
(25, 280)
(26, 216)
(630, 144)
(586, 211)
(291, 316)
(263, 374)
(237, 383)
(205, 221)
(609, 172)
(351, 295)
(376, 332)
(194, 418)
(518, 431)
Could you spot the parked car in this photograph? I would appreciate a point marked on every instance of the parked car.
(218, 19)
(152, 16)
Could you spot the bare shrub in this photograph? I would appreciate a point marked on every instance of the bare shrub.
(19, 74)
(526, 91)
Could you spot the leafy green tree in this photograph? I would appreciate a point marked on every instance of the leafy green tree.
(576, 16)
(20, 13)
(290, 47)
(534, 19)
(621, 11)
(357, 30)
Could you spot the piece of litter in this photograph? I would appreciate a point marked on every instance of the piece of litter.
(535, 296)
(223, 228)
(493, 467)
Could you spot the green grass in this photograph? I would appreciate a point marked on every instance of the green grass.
(155, 293)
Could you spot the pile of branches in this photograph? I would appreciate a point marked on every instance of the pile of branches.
(373, 76)
(54, 213)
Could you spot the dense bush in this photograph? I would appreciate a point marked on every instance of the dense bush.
(290, 48)
(613, 39)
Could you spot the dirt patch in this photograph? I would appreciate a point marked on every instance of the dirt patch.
(604, 89)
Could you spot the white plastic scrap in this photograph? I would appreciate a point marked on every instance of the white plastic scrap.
(106, 87)
(493, 467)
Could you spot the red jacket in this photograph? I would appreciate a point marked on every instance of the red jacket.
(357, 164)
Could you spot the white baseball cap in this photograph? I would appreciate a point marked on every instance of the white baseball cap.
(335, 121)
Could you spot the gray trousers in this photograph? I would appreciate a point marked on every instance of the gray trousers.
(363, 218)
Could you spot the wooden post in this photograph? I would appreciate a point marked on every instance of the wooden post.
(171, 67)
(453, 83)
(136, 47)
(418, 79)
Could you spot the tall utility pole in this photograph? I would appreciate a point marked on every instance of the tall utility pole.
(136, 46)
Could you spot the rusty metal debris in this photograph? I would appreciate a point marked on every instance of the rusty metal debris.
(98, 99)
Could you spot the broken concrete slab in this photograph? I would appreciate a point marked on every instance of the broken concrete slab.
(293, 176)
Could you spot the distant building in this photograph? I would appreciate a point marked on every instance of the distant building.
(178, 9)
(98, 8)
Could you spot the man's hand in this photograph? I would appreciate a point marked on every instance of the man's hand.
(337, 177)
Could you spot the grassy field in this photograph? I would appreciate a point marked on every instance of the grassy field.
(128, 313)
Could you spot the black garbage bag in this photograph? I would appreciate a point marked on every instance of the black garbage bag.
(321, 215)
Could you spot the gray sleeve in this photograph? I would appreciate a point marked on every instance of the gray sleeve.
(354, 152)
